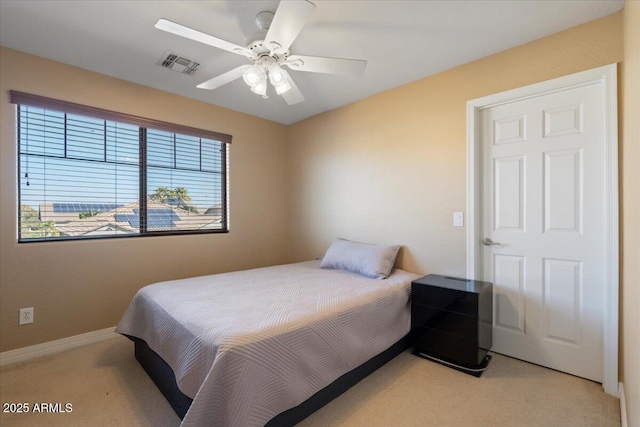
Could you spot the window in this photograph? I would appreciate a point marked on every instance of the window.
(91, 173)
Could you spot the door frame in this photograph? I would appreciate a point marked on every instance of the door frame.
(607, 77)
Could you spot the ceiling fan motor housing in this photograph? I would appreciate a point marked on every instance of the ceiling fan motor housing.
(255, 41)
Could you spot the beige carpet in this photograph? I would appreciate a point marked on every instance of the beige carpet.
(107, 387)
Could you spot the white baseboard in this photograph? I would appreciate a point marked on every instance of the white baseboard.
(31, 352)
(623, 406)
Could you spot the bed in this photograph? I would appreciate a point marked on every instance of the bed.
(266, 346)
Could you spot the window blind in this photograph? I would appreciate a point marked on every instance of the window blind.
(82, 176)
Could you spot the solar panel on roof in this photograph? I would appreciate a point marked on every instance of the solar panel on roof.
(84, 207)
(156, 218)
(161, 218)
(160, 223)
(160, 213)
(133, 220)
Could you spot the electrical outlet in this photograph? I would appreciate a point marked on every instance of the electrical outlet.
(26, 315)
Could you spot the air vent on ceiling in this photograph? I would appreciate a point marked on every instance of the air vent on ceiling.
(178, 63)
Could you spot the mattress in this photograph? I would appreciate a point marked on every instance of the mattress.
(246, 346)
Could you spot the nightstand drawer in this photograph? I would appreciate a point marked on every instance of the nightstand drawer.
(445, 321)
(446, 299)
(449, 347)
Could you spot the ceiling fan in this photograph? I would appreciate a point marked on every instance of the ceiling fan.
(268, 49)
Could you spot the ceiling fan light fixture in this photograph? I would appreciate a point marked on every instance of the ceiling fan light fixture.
(260, 87)
(276, 75)
(254, 75)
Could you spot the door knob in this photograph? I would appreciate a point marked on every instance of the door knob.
(488, 242)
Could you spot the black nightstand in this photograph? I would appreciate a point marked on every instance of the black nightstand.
(451, 321)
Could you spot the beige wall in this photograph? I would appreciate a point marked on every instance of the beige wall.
(630, 183)
(83, 286)
(391, 168)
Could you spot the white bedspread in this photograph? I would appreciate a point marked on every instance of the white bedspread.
(248, 345)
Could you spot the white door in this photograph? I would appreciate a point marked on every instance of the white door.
(543, 207)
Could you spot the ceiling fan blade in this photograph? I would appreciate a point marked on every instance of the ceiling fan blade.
(293, 95)
(223, 79)
(319, 64)
(190, 33)
(287, 23)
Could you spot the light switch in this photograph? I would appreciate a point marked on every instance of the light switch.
(458, 219)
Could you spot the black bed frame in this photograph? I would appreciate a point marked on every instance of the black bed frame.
(164, 378)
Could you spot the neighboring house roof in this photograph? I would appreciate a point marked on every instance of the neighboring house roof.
(214, 210)
(124, 220)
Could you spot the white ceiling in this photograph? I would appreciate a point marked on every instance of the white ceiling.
(403, 41)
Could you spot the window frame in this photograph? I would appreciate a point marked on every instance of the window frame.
(30, 100)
